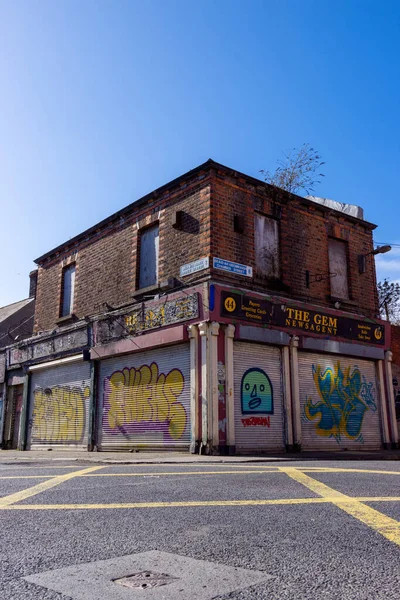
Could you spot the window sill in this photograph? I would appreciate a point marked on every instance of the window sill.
(343, 301)
(146, 290)
(66, 320)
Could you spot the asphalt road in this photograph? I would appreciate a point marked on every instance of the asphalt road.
(323, 530)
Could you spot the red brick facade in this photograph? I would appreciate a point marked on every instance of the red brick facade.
(209, 197)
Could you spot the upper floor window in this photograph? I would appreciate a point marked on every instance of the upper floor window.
(68, 290)
(338, 269)
(148, 268)
(266, 246)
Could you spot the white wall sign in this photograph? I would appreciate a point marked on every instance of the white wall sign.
(193, 267)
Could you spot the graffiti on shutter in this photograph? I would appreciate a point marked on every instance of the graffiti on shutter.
(140, 398)
(344, 397)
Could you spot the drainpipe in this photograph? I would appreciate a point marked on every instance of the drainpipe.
(384, 419)
(3, 414)
(392, 406)
(287, 398)
(230, 395)
(92, 406)
(294, 360)
(213, 385)
(194, 387)
(203, 328)
(24, 422)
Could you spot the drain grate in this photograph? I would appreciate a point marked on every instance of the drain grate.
(145, 580)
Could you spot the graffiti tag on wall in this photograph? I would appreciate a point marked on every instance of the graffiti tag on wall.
(59, 414)
(254, 421)
(256, 393)
(345, 397)
(147, 397)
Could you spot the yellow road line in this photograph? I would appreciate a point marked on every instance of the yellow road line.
(42, 487)
(28, 477)
(386, 526)
(332, 470)
(162, 473)
(202, 503)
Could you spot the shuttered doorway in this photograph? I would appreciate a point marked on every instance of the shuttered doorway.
(59, 406)
(145, 400)
(339, 402)
(259, 415)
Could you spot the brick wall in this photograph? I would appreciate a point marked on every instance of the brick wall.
(107, 258)
(107, 264)
(304, 233)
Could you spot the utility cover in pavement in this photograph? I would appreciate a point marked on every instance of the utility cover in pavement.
(187, 578)
(145, 580)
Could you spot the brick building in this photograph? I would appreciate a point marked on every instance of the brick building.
(218, 314)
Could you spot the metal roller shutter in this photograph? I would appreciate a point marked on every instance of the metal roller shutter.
(145, 400)
(59, 406)
(339, 403)
(259, 415)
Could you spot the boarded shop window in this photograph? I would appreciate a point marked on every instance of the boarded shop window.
(338, 269)
(68, 290)
(148, 274)
(266, 242)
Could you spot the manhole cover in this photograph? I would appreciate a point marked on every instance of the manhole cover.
(145, 580)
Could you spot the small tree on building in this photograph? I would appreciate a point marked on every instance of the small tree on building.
(298, 171)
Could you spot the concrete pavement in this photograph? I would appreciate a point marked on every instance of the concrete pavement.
(10, 456)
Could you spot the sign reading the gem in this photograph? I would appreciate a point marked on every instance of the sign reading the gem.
(264, 312)
(232, 267)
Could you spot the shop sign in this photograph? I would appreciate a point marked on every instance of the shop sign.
(194, 267)
(168, 313)
(72, 340)
(264, 312)
(146, 318)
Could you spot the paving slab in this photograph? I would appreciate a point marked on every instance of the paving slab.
(182, 577)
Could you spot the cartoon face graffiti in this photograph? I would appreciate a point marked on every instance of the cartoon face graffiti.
(256, 393)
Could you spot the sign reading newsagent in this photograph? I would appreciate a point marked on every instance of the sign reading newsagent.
(265, 312)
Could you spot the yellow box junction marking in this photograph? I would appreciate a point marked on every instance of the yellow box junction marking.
(42, 487)
(379, 522)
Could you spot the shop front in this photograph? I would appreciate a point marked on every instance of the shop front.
(306, 377)
(59, 405)
(144, 400)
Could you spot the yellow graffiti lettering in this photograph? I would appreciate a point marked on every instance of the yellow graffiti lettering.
(59, 414)
(146, 395)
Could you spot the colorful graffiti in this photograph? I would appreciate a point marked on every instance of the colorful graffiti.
(254, 421)
(345, 397)
(145, 396)
(256, 393)
(59, 414)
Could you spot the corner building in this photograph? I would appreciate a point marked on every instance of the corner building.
(217, 314)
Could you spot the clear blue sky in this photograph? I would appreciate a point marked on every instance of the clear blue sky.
(103, 101)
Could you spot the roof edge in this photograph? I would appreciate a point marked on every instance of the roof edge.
(207, 165)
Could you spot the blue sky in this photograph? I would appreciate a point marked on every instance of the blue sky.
(103, 101)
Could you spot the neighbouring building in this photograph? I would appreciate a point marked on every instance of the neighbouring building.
(16, 324)
(215, 314)
(395, 346)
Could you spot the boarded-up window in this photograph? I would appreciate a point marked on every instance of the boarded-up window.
(338, 269)
(68, 290)
(148, 274)
(266, 242)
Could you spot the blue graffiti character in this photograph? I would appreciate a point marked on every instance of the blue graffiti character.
(256, 393)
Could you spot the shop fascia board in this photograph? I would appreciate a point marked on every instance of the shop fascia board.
(292, 302)
(343, 348)
(145, 341)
